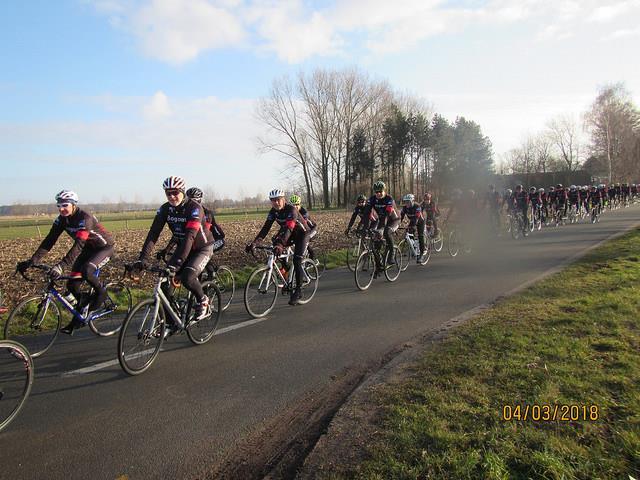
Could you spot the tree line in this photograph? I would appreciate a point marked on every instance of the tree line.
(604, 141)
(341, 131)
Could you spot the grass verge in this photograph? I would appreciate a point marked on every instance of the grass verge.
(572, 339)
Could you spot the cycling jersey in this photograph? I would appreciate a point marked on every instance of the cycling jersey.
(413, 213)
(312, 225)
(385, 209)
(536, 199)
(561, 196)
(574, 196)
(290, 222)
(358, 211)
(84, 228)
(544, 199)
(430, 210)
(211, 224)
(520, 199)
(493, 200)
(187, 223)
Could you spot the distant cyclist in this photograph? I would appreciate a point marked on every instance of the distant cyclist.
(293, 231)
(187, 221)
(313, 226)
(413, 211)
(520, 201)
(430, 211)
(382, 209)
(91, 250)
(358, 213)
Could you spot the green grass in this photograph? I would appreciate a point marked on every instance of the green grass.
(572, 339)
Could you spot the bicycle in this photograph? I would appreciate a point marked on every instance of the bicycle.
(537, 218)
(261, 290)
(354, 249)
(517, 224)
(145, 328)
(436, 242)
(35, 321)
(223, 277)
(16, 378)
(410, 249)
(370, 263)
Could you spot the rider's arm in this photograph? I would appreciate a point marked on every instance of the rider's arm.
(49, 241)
(354, 215)
(154, 232)
(264, 231)
(82, 234)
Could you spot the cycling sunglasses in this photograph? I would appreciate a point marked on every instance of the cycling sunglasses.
(63, 205)
(172, 193)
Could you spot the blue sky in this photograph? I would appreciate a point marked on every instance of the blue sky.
(108, 97)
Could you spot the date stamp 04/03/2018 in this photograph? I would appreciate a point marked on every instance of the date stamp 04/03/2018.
(550, 413)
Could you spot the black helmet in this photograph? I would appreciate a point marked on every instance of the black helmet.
(194, 193)
(361, 198)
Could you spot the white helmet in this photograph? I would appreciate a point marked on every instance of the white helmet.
(173, 183)
(409, 197)
(67, 196)
(572, 187)
(276, 193)
(541, 190)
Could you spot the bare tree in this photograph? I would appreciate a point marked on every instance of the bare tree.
(564, 134)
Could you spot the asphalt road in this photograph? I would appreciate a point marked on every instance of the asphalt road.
(85, 418)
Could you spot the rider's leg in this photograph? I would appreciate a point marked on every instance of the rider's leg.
(195, 263)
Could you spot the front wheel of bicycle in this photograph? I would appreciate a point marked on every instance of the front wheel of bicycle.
(309, 282)
(424, 258)
(438, 241)
(141, 337)
(34, 323)
(405, 254)
(226, 283)
(392, 270)
(453, 244)
(353, 252)
(109, 318)
(260, 292)
(365, 269)
(17, 370)
(203, 330)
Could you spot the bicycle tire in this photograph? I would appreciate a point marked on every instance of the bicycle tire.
(353, 252)
(17, 370)
(366, 265)
(392, 272)
(438, 242)
(422, 260)
(201, 331)
(137, 338)
(254, 293)
(226, 283)
(405, 254)
(453, 245)
(118, 304)
(308, 289)
(18, 326)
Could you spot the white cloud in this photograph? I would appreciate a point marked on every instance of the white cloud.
(158, 107)
(607, 13)
(622, 33)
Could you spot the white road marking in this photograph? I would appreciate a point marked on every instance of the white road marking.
(110, 363)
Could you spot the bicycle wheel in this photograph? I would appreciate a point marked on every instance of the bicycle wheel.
(405, 254)
(34, 323)
(310, 282)
(201, 331)
(141, 337)
(353, 252)
(16, 378)
(453, 245)
(365, 269)
(108, 320)
(515, 228)
(438, 241)
(392, 272)
(260, 292)
(226, 284)
(427, 252)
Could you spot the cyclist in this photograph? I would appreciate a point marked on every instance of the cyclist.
(358, 211)
(187, 221)
(382, 208)
(584, 198)
(430, 212)
(493, 203)
(536, 202)
(91, 250)
(561, 198)
(520, 201)
(604, 195)
(574, 199)
(544, 199)
(613, 193)
(413, 212)
(595, 199)
(295, 201)
(293, 231)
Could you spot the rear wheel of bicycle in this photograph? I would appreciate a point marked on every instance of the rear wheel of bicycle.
(353, 252)
(392, 271)
(203, 330)
(424, 258)
(260, 292)
(226, 284)
(141, 337)
(114, 310)
(34, 323)
(17, 370)
(438, 241)
(453, 245)
(310, 282)
(365, 269)
(516, 230)
(405, 254)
